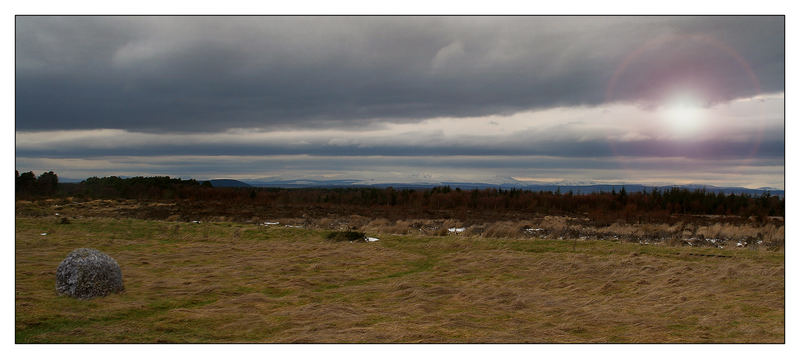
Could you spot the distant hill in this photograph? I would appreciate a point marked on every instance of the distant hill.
(228, 183)
(504, 183)
(307, 183)
(553, 187)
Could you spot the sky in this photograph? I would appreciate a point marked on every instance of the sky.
(563, 99)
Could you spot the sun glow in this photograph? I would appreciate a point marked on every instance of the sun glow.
(683, 114)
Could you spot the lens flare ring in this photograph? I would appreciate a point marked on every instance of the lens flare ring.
(684, 116)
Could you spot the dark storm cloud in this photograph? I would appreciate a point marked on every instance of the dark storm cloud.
(212, 73)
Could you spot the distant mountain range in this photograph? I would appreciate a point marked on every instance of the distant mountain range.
(228, 183)
(500, 182)
(513, 184)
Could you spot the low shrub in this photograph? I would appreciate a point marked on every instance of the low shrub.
(349, 236)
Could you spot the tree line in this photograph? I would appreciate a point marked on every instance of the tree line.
(649, 205)
(27, 184)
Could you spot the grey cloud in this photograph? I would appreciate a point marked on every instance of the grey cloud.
(771, 149)
(239, 164)
(213, 73)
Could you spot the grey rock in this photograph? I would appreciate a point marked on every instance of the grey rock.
(88, 273)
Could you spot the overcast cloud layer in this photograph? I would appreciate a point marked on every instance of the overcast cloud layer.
(405, 89)
(213, 73)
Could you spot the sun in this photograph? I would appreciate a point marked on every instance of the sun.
(684, 114)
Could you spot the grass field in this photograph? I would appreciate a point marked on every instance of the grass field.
(229, 282)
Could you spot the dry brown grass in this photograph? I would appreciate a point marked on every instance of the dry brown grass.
(729, 231)
(224, 282)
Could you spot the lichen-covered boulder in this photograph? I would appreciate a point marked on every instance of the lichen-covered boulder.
(88, 273)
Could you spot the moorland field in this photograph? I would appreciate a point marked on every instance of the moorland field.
(207, 264)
